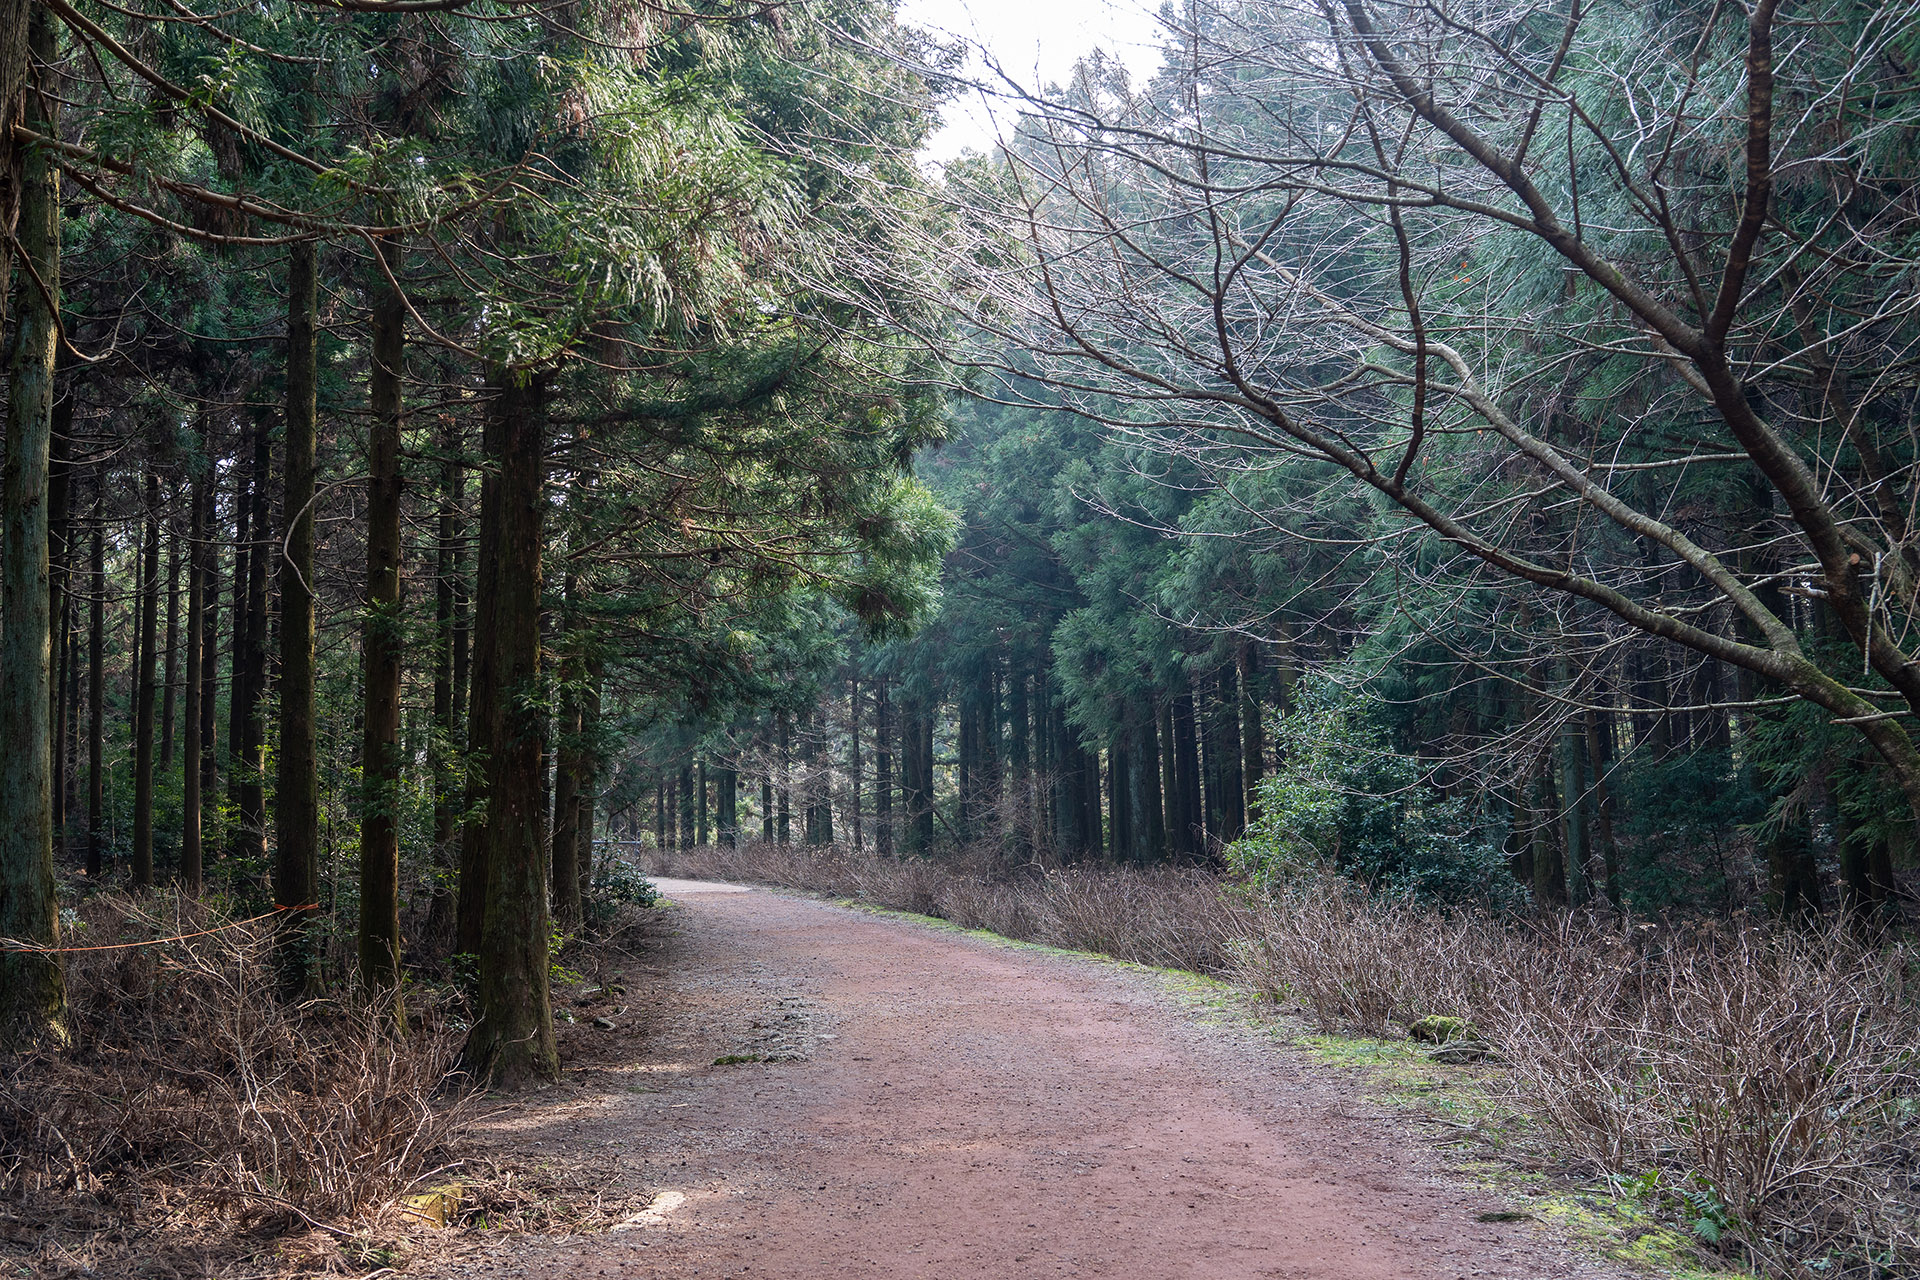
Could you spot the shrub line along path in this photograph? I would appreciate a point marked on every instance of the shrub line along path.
(893, 1099)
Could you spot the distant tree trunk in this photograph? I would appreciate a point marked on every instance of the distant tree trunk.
(192, 860)
(234, 841)
(1120, 793)
(783, 826)
(149, 606)
(1232, 780)
(170, 663)
(446, 587)
(1143, 778)
(249, 782)
(209, 625)
(471, 913)
(853, 761)
(1174, 842)
(659, 810)
(1019, 762)
(1599, 726)
(729, 801)
(296, 872)
(1253, 729)
(1573, 795)
(1549, 866)
(383, 636)
(1190, 828)
(882, 768)
(566, 783)
(1793, 878)
(513, 1040)
(96, 700)
(702, 829)
(32, 986)
(929, 796)
(590, 766)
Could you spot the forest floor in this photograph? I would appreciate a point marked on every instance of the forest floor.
(812, 1091)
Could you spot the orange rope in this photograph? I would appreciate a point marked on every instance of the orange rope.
(9, 944)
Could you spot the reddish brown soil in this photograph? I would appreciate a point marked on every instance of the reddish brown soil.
(940, 1105)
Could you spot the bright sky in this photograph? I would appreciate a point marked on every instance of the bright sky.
(1035, 41)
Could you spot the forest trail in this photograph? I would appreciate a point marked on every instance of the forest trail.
(929, 1103)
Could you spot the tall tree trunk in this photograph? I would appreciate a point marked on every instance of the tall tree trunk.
(296, 873)
(382, 640)
(686, 801)
(253, 812)
(170, 660)
(882, 768)
(209, 625)
(1253, 729)
(481, 697)
(766, 808)
(233, 841)
(590, 765)
(60, 595)
(513, 1040)
(1190, 830)
(446, 587)
(192, 858)
(149, 606)
(1599, 727)
(853, 758)
(97, 699)
(32, 986)
(783, 827)
(1148, 823)
(566, 794)
(1172, 823)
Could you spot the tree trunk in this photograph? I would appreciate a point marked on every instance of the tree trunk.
(209, 712)
(566, 783)
(882, 768)
(60, 596)
(149, 606)
(192, 859)
(96, 702)
(296, 872)
(783, 826)
(383, 636)
(232, 840)
(446, 790)
(32, 986)
(1190, 827)
(1253, 729)
(853, 758)
(1599, 726)
(471, 912)
(170, 650)
(512, 1042)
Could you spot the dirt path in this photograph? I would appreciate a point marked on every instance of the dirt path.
(930, 1104)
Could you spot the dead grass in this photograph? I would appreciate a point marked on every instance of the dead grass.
(194, 1113)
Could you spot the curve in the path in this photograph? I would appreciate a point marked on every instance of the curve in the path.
(957, 1108)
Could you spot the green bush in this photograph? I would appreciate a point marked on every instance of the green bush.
(1345, 799)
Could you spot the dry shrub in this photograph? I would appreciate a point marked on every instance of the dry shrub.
(1761, 1082)
(1168, 916)
(190, 1093)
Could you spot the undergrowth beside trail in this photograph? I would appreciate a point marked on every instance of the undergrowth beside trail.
(1756, 1086)
(197, 1124)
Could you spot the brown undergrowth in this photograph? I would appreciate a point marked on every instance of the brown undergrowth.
(197, 1125)
(1756, 1085)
